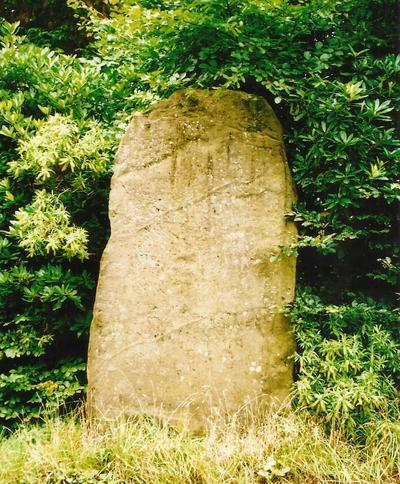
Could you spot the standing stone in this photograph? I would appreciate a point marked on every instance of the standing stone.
(187, 321)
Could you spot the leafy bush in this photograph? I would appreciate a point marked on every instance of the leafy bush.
(49, 22)
(328, 67)
(55, 156)
(349, 363)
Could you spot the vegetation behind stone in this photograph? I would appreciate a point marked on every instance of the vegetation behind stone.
(329, 68)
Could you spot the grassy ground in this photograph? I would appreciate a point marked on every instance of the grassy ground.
(284, 448)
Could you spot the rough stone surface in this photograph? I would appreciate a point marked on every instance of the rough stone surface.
(187, 321)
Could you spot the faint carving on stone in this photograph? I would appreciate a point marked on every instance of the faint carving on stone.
(187, 321)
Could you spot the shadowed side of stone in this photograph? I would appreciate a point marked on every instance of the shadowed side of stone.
(187, 321)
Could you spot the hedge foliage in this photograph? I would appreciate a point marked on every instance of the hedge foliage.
(328, 67)
(55, 154)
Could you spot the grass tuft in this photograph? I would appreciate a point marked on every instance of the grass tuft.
(284, 448)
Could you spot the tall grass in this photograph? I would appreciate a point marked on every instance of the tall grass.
(284, 448)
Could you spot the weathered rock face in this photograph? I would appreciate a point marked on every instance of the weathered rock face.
(187, 320)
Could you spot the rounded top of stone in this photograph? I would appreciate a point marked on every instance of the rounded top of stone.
(249, 111)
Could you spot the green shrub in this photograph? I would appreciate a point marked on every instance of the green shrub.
(329, 69)
(49, 22)
(56, 150)
(348, 361)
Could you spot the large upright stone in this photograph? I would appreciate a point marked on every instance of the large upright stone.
(187, 319)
